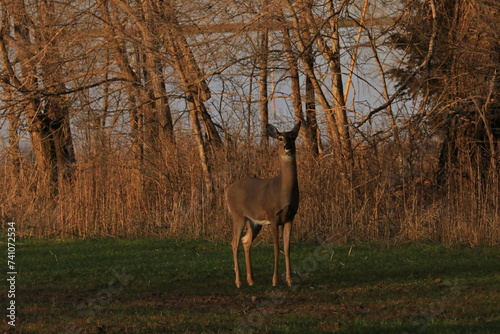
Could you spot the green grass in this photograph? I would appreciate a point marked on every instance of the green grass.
(177, 286)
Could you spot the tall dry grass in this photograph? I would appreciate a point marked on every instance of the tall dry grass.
(385, 199)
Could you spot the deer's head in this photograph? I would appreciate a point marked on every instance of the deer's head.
(286, 145)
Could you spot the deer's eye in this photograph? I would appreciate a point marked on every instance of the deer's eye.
(280, 138)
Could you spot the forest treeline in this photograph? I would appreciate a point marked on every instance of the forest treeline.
(128, 118)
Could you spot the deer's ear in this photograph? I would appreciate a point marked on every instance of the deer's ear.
(272, 131)
(296, 129)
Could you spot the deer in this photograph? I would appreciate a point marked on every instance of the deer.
(255, 202)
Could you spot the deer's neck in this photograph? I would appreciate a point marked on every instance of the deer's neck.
(288, 175)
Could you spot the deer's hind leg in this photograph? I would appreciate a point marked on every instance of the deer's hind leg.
(238, 224)
(252, 232)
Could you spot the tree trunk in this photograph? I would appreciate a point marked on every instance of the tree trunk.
(48, 114)
(338, 97)
(263, 94)
(191, 76)
(9, 81)
(312, 128)
(304, 29)
(337, 118)
(309, 123)
(14, 155)
(134, 94)
(202, 151)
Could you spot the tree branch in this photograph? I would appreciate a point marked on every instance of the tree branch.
(76, 90)
(407, 81)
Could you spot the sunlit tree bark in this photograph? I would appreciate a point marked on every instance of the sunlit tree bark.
(35, 40)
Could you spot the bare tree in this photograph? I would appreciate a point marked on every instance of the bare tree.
(459, 85)
(310, 127)
(336, 115)
(34, 36)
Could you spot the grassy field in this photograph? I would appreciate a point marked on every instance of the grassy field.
(176, 286)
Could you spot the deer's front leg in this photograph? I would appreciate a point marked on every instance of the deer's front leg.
(287, 228)
(276, 252)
